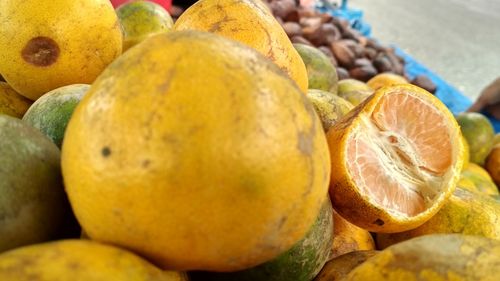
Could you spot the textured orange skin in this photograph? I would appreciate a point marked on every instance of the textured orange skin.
(385, 79)
(79, 260)
(347, 199)
(465, 212)
(215, 162)
(87, 33)
(12, 103)
(251, 23)
(349, 238)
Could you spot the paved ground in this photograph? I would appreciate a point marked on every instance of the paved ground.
(457, 39)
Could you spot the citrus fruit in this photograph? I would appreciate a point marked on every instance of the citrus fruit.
(251, 23)
(496, 139)
(385, 79)
(328, 106)
(493, 164)
(353, 91)
(466, 184)
(479, 134)
(184, 170)
(33, 203)
(51, 113)
(141, 19)
(466, 153)
(79, 260)
(301, 263)
(483, 183)
(433, 257)
(46, 44)
(12, 103)
(465, 212)
(395, 159)
(339, 267)
(349, 238)
(320, 70)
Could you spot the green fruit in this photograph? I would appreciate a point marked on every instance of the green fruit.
(33, 204)
(353, 91)
(320, 70)
(51, 113)
(301, 263)
(479, 134)
(328, 106)
(141, 19)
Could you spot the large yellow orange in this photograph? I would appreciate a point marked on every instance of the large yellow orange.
(215, 160)
(251, 23)
(79, 260)
(395, 158)
(46, 44)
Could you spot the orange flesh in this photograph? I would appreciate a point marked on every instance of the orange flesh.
(400, 155)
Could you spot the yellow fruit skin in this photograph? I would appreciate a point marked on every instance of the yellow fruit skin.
(349, 238)
(465, 212)
(339, 267)
(87, 33)
(384, 80)
(11, 103)
(356, 207)
(79, 260)
(215, 161)
(481, 179)
(434, 257)
(251, 23)
(466, 153)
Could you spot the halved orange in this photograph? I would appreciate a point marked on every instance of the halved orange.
(395, 158)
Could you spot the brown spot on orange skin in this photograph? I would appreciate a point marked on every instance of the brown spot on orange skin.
(41, 51)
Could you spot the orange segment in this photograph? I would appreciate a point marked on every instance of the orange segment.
(395, 159)
(418, 124)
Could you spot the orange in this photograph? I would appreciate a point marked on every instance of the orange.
(249, 22)
(12, 103)
(493, 164)
(349, 238)
(395, 158)
(214, 161)
(79, 260)
(385, 79)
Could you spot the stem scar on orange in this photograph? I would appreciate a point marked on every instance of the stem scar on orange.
(395, 158)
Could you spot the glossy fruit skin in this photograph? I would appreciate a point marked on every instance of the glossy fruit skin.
(46, 44)
(79, 260)
(218, 154)
(251, 23)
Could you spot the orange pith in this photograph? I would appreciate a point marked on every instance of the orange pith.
(400, 153)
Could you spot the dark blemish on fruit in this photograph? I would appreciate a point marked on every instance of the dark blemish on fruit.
(41, 51)
(379, 222)
(106, 151)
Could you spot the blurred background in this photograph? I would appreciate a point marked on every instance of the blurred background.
(457, 39)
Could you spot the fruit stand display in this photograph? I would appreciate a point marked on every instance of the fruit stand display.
(235, 140)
